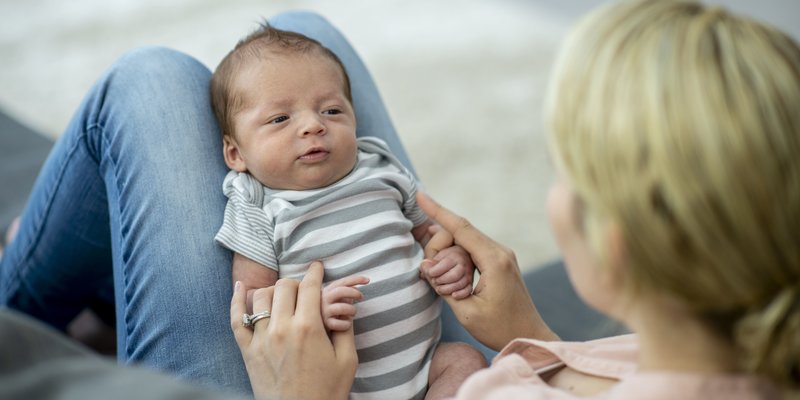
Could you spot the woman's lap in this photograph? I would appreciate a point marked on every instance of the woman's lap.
(142, 156)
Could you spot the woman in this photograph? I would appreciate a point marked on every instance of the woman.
(676, 133)
(659, 228)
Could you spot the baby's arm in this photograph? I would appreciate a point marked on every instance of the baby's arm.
(452, 269)
(338, 298)
(253, 275)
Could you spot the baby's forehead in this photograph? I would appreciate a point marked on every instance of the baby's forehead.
(261, 50)
(251, 61)
(244, 92)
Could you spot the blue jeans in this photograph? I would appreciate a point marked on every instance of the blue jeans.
(131, 195)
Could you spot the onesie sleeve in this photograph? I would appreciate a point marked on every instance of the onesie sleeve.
(411, 209)
(408, 187)
(246, 228)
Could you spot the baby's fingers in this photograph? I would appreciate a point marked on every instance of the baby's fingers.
(463, 293)
(453, 275)
(338, 316)
(338, 325)
(349, 281)
(339, 310)
(341, 294)
(441, 267)
(450, 288)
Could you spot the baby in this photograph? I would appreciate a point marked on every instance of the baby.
(303, 188)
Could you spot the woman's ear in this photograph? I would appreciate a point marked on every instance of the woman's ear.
(233, 157)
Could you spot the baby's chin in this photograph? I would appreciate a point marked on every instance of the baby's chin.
(318, 180)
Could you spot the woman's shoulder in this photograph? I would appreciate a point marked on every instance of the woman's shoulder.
(524, 369)
(613, 357)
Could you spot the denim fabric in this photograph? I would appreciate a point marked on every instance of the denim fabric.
(131, 193)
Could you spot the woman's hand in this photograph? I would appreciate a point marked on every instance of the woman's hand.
(289, 355)
(500, 308)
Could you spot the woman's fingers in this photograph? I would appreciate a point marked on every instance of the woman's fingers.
(262, 301)
(475, 242)
(308, 304)
(440, 240)
(238, 308)
(309, 296)
(250, 293)
(500, 307)
(344, 347)
(284, 300)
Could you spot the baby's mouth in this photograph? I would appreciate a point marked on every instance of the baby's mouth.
(314, 154)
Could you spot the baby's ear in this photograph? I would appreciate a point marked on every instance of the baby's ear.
(233, 158)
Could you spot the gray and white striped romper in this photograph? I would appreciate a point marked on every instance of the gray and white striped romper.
(359, 225)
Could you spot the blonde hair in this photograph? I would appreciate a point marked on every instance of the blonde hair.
(681, 124)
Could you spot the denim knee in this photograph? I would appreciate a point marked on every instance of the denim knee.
(161, 63)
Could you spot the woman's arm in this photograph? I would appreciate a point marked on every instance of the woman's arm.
(500, 308)
(290, 355)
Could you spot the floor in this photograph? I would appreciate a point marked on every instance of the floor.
(463, 80)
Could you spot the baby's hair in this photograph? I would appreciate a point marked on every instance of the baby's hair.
(264, 42)
(680, 124)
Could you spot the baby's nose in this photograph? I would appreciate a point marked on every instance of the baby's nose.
(312, 126)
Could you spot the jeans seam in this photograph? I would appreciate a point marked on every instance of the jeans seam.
(121, 270)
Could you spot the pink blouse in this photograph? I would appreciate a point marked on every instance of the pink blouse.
(514, 374)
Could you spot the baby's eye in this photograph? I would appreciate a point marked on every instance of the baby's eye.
(278, 120)
(332, 111)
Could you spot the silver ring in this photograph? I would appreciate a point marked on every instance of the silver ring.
(249, 321)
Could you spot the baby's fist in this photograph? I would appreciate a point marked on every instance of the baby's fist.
(338, 298)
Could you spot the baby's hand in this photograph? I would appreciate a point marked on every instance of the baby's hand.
(337, 305)
(450, 272)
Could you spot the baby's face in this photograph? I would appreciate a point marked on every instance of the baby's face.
(297, 129)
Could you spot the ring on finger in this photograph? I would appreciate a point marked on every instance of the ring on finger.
(249, 321)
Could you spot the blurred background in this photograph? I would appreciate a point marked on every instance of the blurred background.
(463, 80)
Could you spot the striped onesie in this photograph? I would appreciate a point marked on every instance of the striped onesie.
(360, 225)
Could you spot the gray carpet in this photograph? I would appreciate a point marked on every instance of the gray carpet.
(22, 152)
